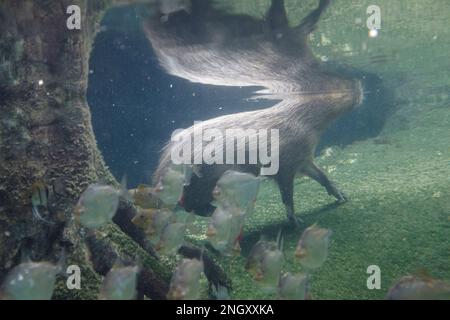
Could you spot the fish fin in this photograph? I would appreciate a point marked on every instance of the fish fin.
(423, 274)
(220, 292)
(202, 253)
(281, 244)
(118, 263)
(25, 254)
(38, 216)
(197, 171)
(279, 237)
(262, 237)
(123, 189)
(61, 265)
(315, 225)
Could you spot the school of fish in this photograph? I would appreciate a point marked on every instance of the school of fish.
(165, 223)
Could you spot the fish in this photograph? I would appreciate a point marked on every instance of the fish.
(144, 219)
(312, 248)
(235, 196)
(39, 198)
(236, 233)
(219, 229)
(294, 286)
(98, 204)
(31, 281)
(172, 238)
(225, 229)
(144, 197)
(271, 265)
(419, 287)
(237, 189)
(256, 255)
(185, 282)
(153, 221)
(264, 263)
(188, 218)
(120, 283)
(169, 188)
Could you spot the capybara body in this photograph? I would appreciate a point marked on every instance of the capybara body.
(208, 45)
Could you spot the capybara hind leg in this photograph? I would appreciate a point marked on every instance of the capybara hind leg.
(286, 184)
(314, 172)
(276, 16)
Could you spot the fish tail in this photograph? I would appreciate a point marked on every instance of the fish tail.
(36, 214)
(280, 238)
(123, 189)
(61, 265)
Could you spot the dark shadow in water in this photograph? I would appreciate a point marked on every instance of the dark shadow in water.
(136, 106)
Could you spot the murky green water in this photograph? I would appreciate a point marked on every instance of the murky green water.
(399, 214)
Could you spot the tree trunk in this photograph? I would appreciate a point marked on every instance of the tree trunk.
(46, 134)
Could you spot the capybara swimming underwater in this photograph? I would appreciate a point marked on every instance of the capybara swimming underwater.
(207, 45)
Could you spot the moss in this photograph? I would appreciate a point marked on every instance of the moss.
(90, 286)
(127, 246)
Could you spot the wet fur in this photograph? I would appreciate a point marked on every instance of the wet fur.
(211, 46)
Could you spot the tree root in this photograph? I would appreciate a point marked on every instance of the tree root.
(213, 271)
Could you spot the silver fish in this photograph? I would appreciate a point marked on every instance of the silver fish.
(172, 238)
(39, 198)
(98, 204)
(419, 287)
(225, 229)
(264, 263)
(294, 286)
(312, 248)
(237, 189)
(185, 282)
(170, 186)
(119, 284)
(31, 281)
